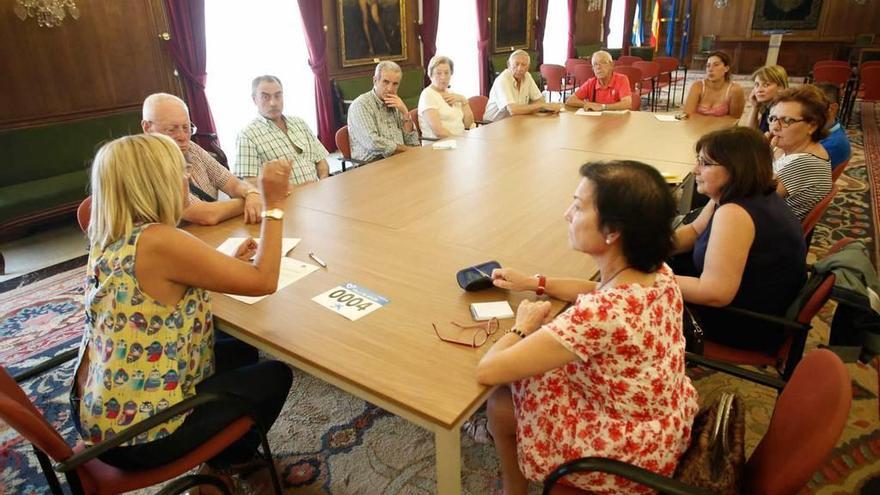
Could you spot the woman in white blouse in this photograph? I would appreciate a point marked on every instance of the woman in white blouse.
(443, 113)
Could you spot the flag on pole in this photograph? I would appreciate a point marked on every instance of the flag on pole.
(685, 33)
(655, 26)
(670, 30)
(637, 25)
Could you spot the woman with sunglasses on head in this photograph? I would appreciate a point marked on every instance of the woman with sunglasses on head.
(605, 377)
(797, 125)
(149, 335)
(769, 81)
(747, 247)
(715, 95)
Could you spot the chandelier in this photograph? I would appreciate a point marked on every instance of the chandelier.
(49, 13)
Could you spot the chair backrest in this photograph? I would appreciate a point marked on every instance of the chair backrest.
(414, 115)
(649, 69)
(813, 217)
(582, 73)
(870, 63)
(635, 76)
(831, 63)
(871, 82)
(478, 106)
(627, 60)
(809, 417)
(18, 412)
(836, 172)
(571, 63)
(553, 75)
(84, 213)
(667, 64)
(835, 74)
(343, 143)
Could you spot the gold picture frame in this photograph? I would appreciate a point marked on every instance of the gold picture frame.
(371, 31)
(512, 26)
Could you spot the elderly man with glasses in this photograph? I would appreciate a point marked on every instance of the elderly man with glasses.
(608, 90)
(167, 114)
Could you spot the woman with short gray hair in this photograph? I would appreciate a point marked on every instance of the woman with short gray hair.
(443, 113)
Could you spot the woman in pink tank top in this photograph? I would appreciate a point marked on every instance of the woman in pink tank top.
(716, 95)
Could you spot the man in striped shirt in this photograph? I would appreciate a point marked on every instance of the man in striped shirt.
(167, 114)
(273, 135)
(379, 124)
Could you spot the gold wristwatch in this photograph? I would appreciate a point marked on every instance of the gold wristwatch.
(273, 214)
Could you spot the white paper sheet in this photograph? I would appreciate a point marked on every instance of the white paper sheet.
(488, 310)
(291, 271)
(230, 245)
(448, 144)
(665, 118)
(588, 113)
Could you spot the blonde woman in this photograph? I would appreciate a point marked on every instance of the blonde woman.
(443, 113)
(769, 81)
(715, 95)
(149, 337)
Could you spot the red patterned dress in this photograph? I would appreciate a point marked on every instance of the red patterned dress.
(626, 398)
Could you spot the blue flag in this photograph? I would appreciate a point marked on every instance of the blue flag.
(670, 31)
(686, 30)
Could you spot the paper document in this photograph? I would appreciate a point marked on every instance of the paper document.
(488, 310)
(588, 113)
(291, 271)
(666, 118)
(230, 245)
(448, 144)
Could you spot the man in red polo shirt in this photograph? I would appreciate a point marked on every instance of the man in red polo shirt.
(608, 90)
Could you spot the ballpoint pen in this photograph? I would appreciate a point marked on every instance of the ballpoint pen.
(318, 260)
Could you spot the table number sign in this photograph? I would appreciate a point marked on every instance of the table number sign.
(351, 301)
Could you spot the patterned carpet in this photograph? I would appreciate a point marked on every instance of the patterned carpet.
(327, 441)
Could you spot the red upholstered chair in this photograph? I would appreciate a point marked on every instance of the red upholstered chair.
(650, 76)
(86, 474)
(582, 73)
(84, 213)
(344, 145)
(635, 76)
(571, 63)
(478, 108)
(669, 67)
(837, 172)
(627, 60)
(870, 81)
(809, 222)
(809, 417)
(414, 115)
(555, 80)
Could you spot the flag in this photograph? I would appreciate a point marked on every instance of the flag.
(655, 26)
(670, 30)
(685, 30)
(637, 25)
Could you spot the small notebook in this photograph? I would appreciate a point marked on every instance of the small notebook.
(488, 310)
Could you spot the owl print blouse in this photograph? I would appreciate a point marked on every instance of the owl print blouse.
(144, 356)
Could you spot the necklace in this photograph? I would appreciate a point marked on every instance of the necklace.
(606, 282)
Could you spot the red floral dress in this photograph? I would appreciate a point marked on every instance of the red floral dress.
(626, 398)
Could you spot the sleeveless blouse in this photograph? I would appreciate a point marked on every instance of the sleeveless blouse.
(718, 110)
(144, 356)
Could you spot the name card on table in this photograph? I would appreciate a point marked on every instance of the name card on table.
(351, 301)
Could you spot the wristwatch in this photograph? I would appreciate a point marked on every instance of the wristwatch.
(273, 214)
(604, 107)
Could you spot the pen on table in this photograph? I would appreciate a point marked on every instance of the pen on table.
(317, 260)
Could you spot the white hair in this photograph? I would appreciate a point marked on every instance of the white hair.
(155, 100)
(386, 65)
(518, 53)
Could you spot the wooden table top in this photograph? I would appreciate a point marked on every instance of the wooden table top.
(404, 226)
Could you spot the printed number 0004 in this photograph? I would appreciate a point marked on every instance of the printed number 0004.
(350, 299)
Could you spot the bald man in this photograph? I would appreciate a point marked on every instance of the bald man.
(167, 114)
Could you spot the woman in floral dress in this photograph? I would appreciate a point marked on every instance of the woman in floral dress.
(605, 377)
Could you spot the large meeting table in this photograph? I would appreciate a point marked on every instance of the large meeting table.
(402, 227)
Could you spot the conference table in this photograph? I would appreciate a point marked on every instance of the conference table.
(402, 227)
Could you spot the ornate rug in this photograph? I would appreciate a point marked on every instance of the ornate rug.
(327, 441)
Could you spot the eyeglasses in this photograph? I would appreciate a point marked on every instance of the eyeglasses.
(600, 64)
(188, 129)
(783, 121)
(481, 334)
(704, 162)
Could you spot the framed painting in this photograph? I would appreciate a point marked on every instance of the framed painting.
(786, 14)
(513, 26)
(371, 30)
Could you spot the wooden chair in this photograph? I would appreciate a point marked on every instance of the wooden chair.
(344, 145)
(808, 418)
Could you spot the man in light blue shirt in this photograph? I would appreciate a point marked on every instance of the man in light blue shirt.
(836, 143)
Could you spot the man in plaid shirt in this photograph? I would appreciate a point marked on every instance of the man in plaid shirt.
(167, 114)
(273, 135)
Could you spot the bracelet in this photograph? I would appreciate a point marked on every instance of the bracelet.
(517, 332)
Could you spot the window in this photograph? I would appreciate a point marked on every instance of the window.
(457, 39)
(615, 33)
(248, 39)
(556, 33)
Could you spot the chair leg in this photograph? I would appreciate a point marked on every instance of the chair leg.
(183, 484)
(270, 461)
(49, 473)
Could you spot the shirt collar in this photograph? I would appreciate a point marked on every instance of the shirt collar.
(266, 121)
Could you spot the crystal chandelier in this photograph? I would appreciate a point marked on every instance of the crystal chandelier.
(49, 13)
